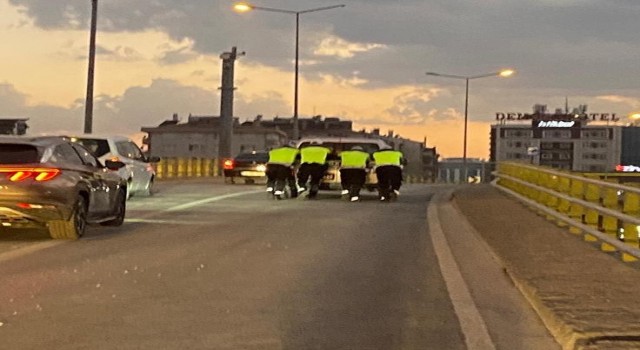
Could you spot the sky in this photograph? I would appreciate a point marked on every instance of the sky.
(365, 62)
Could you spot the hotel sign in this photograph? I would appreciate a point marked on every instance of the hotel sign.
(500, 116)
(554, 124)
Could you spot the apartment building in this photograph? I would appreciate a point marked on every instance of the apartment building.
(559, 141)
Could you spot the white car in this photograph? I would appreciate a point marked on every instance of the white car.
(331, 179)
(138, 171)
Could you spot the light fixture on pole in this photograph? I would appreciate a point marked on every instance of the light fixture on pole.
(245, 7)
(88, 107)
(503, 73)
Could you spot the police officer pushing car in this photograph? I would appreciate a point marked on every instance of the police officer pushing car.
(353, 171)
(313, 164)
(280, 170)
(389, 172)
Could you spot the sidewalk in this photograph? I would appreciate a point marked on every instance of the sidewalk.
(587, 298)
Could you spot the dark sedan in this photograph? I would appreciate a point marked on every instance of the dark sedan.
(52, 183)
(250, 166)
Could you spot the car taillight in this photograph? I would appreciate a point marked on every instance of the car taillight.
(228, 164)
(38, 174)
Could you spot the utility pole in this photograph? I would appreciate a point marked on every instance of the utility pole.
(88, 107)
(226, 103)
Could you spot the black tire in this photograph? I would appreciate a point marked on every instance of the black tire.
(148, 192)
(73, 228)
(120, 210)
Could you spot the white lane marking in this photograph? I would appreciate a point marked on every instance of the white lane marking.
(210, 199)
(12, 254)
(166, 222)
(472, 325)
(16, 253)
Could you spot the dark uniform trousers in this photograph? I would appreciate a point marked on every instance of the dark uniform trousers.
(353, 180)
(314, 171)
(278, 175)
(389, 179)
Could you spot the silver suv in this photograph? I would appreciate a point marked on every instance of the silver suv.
(138, 171)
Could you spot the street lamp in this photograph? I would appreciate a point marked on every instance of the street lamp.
(245, 7)
(88, 107)
(503, 73)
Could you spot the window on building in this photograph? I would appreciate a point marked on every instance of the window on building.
(546, 156)
(557, 134)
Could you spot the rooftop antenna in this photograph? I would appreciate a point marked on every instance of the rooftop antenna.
(566, 105)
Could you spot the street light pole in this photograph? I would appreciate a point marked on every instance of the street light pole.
(244, 7)
(88, 107)
(503, 73)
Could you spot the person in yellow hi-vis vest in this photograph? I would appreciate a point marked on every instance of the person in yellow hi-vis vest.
(313, 164)
(388, 164)
(280, 170)
(353, 171)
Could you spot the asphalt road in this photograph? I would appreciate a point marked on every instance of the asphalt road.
(212, 266)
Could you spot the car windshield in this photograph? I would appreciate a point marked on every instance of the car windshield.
(337, 147)
(18, 154)
(253, 157)
(98, 147)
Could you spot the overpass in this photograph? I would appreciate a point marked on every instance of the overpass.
(207, 265)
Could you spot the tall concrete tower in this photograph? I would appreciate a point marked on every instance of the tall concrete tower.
(226, 103)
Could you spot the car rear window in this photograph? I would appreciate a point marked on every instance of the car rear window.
(18, 154)
(97, 147)
(253, 157)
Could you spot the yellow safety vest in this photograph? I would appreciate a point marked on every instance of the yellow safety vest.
(354, 159)
(283, 155)
(387, 157)
(314, 154)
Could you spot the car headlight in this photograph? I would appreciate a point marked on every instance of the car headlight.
(261, 167)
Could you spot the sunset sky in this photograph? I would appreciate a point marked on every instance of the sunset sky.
(365, 62)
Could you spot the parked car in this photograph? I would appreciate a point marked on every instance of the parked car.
(138, 172)
(52, 183)
(250, 166)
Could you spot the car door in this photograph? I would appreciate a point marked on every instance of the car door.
(89, 179)
(136, 161)
(109, 180)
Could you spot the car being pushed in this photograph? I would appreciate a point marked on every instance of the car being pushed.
(331, 179)
(249, 166)
(54, 184)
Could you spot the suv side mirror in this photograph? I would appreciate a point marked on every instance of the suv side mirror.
(114, 165)
(153, 159)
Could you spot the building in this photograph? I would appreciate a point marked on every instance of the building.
(199, 137)
(574, 141)
(451, 170)
(13, 126)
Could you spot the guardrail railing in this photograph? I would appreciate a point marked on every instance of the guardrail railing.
(601, 211)
(173, 167)
(179, 167)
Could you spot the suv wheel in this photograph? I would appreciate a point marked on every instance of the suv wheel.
(73, 228)
(119, 211)
(149, 190)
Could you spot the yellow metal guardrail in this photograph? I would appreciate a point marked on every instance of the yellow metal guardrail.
(177, 167)
(600, 211)
(169, 168)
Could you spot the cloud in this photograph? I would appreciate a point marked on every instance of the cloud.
(334, 46)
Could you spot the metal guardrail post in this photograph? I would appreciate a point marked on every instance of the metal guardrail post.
(216, 167)
(576, 210)
(171, 168)
(631, 206)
